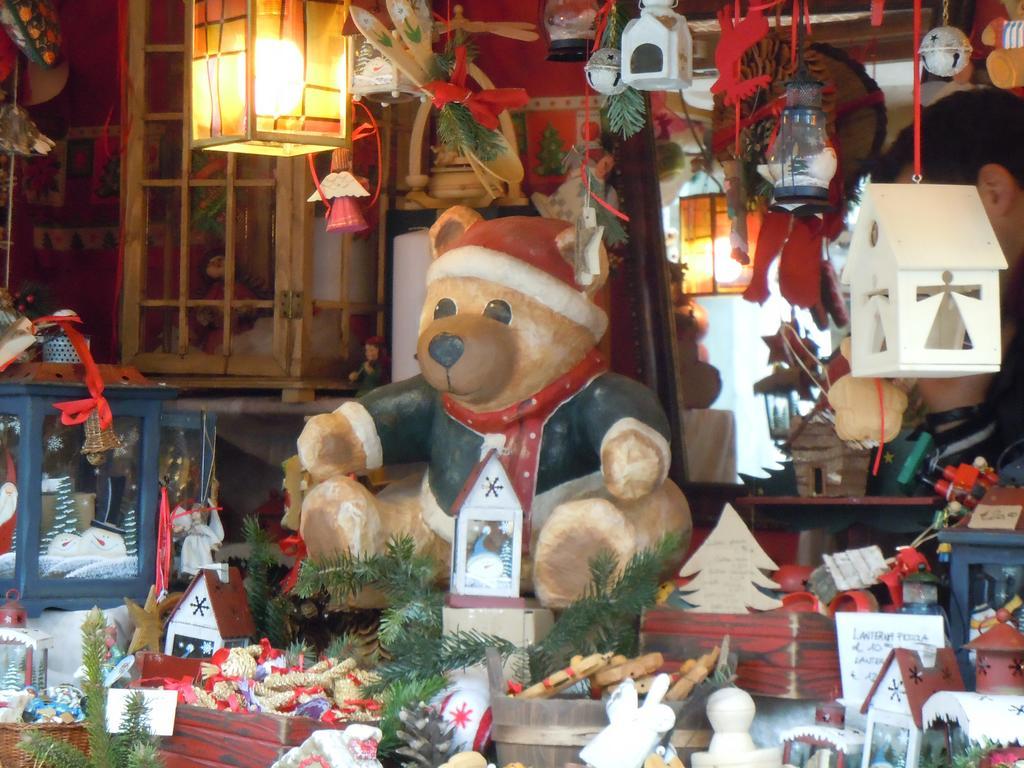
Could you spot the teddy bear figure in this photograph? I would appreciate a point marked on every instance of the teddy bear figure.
(510, 368)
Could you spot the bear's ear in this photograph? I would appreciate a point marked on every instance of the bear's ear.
(592, 272)
(450, 226)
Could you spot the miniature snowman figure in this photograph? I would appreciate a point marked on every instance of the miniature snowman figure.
(731, 713)
(484, 566)
(633, 731)
(202, 540)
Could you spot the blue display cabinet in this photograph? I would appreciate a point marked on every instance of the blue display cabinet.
(75, 533)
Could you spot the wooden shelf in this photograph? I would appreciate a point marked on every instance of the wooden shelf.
(775, 502)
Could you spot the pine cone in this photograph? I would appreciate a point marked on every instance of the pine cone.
(426, 736)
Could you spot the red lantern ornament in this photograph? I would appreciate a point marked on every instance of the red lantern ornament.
(12, 613)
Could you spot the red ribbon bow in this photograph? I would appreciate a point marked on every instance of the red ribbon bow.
(293, 546)
(485, 106)
(186, 693)
(77, 411)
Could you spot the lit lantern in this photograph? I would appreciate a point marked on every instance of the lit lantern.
(779, 389)
(924, 290)
(705, 248)
(657, 49)
(487, 551)
(269, 77)
(802, 163)
(570, 26)
(375, 77)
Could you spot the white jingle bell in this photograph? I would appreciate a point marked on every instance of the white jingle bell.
(604, 71)
(945, 51)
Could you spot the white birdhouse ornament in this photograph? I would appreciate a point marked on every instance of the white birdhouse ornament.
(657, 49)
(923, 272)
(487, 552)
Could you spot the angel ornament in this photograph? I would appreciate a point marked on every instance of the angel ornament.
(338, 191)
(201, 540)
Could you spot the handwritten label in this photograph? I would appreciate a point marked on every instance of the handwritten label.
(865, 640)
(1003, 517)
(161, 707)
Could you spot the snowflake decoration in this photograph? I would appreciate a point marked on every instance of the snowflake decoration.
(983, 667)
(207, 648)
(947, 673)
(1017, 709)
(130, 436)
(492, 487)
(14, 425)
(506, 528)
(1017, 667)
(462, 716)
(199, 606)
(915, 675)
(121, 450)
(54, 443)
(896, 691)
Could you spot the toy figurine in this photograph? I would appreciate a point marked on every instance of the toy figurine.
(201, 541)
(373, 372)
(210, 319)
(633, 730)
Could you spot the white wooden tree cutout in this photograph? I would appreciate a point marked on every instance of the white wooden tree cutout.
(729, 567)
(950, 303)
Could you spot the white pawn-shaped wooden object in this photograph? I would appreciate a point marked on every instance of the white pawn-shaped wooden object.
(731, 713)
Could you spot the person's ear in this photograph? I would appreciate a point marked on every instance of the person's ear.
(998, 189)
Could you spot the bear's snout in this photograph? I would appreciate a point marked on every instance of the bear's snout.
(446, 349)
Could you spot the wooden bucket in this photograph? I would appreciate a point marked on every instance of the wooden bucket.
(551, 732)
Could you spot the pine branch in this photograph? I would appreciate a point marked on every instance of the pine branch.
(101, 745)
(617, 20)
(275, 622)
(144, 756)
(298, 651)
(626, 112)
(258, 567)
(459, 130)
(135, 741)
(48, 752)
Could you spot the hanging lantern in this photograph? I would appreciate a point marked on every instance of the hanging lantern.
(802, 163)
(570, 26)
(604, 71)
(657, 49)
(945, 51)
(375, 77)
(269, 77)
(705, 248)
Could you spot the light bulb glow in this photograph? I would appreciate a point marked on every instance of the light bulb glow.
(727, 269)
(279, 77)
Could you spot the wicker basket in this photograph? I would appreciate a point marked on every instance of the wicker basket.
(11, 734)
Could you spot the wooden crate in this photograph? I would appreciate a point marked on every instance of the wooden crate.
(208, 738)
(781, 654)
(551, 732)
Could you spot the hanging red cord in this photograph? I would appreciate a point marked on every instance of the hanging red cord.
(881, 436)
(602, 23)
(376, 132)
(917, 91)
(586, 153)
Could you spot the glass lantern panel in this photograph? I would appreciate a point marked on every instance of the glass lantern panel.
(10, 436)
(163, 236)
(181, 462)
(647, 58)
(90, 514)
(799, 753)
(13, 658)
(993, 586)
(489, 554)
(933, 747)
(889, 747)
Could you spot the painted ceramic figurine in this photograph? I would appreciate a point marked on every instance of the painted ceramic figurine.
(373, 372)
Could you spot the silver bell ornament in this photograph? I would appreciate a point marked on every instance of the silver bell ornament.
(945, 51)
(604, 71)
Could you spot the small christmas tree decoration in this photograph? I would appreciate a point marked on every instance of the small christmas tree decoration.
(945, 51)
(551, 154)
(657, 49)
(425, 735)
(729, 569)
(604, 71)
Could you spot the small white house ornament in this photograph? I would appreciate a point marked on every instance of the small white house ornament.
(923, 272)
(657, 49)
(487, 551)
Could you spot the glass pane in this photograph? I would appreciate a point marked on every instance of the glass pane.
(992, 587)
(164, 82)
(208, 165)
(255, 167)
(326, 341)
(166, 22)
(158, 330)
(163, 243)
(163, 149)
(181, 452)
(90, 522)
(254, 243)
(889, 746)
(206, 255)
(10, 433)
(252, 330)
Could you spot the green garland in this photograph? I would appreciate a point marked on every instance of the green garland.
(604, 619)
(626, 112)
(268, 607)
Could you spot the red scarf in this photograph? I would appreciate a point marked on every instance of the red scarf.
(522, 424)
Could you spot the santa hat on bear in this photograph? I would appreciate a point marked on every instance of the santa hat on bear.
(524, 253)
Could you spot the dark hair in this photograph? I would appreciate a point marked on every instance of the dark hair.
(959, 134)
